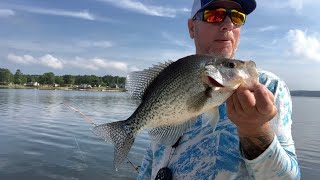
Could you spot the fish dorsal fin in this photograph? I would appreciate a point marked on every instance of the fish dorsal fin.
(138, 81)
(168, 135)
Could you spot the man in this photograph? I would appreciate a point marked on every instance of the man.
(253, 137)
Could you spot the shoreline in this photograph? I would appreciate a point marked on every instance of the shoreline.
(94, 89)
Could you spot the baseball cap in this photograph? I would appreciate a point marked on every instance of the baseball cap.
(247, 5)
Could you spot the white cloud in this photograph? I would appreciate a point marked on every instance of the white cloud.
(84, 14)
(110, 64)
(6, 13)
(25, 59)
(152, 10)
(75, 14)
(134, 68)
(95, 64)
(95, 44)
(50, 61)
(47, 60)
(267, 28)
(303, 45)
(98, 64)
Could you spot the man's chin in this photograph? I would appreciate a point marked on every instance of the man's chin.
(222, 54)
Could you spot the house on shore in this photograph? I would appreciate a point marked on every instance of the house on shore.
(32, 84)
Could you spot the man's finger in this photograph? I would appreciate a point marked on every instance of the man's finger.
(237, 106)
(264, 104)
(246, 100)
(230, 106)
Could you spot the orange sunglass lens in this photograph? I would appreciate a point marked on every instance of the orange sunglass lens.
(216, 15)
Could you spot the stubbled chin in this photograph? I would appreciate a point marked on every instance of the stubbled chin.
(225, 53)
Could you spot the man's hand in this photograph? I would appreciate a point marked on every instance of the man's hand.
(251, 111)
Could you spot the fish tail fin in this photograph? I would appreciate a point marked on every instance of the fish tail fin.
(120, 135)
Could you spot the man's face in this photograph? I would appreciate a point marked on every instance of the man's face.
(218, 39)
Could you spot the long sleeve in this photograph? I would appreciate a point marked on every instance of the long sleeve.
(146, 166)
(279, 161)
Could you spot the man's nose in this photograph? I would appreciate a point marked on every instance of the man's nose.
(226, 25)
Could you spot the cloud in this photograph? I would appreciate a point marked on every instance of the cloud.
(98, 64)
(25, 59)
(95, 64)
(110, 64)
(6, 13)
(267, 28)
(84, 14)
(46, 60)
(151, 10)
(303, 45)
(75, 14)
(50, 61)
(95, 44)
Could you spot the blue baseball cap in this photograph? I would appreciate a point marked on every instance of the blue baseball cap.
(247, 5)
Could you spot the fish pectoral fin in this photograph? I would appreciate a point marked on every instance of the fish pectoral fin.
(212, 116)
(115, 133)
(197, 102)
(168, 135)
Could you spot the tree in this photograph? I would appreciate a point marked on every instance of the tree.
(47, 78)
(68, 79)
(59, 80)
(95, 81)
(108, 79)
(19, 78)
(5, 76)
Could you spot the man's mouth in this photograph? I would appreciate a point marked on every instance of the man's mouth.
(214, 83)
(223, 40)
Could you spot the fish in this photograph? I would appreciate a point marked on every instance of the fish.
(172, 95)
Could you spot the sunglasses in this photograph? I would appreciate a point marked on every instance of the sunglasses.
(218, 15)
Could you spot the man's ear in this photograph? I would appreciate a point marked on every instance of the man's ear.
(191, 28)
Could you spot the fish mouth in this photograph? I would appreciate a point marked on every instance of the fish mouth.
(213, 82)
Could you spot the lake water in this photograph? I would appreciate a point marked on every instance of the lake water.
(40, 138)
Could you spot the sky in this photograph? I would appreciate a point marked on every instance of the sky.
(115, 37)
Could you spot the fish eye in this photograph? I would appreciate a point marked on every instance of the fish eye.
(229, 64)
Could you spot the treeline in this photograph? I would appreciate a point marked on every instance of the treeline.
(6, 77)
(304, 93)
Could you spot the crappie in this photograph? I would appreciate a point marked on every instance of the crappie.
(172, 95)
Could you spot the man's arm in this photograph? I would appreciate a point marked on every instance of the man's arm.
(251, 111)
(267, 145)
(254, 145)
